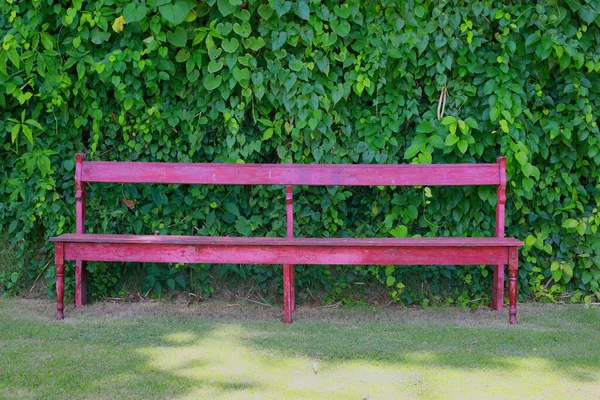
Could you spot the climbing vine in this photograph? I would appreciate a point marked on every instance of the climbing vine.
(307, 82)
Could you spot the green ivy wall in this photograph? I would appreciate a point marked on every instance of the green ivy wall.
(306, 82)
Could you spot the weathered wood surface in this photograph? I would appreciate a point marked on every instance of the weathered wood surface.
(278, 241)
(80, 199)
(289, 301)
(513, 266)
(498, 278)
(292, 174)
(351, 254)
(288, 251)
(59, 255)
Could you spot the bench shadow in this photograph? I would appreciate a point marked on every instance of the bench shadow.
(195, 357)
(145, 358)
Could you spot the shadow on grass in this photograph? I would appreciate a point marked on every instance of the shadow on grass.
(552, 352)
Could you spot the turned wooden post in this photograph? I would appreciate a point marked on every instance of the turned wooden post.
(60, 279)
(289, 303)
(498, 284)
(513, 266)
(80, 265)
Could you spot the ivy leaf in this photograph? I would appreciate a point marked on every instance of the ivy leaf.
(230, 45)
(557, 275)
(118, 24)
(296, 65)
(528, 184)
(451, 140)
(567, 272)
(267, 134)
(214, 66)
(224, 28)
(243, 30)
(69, 165)
(521, 157)
(281, 7)
(477, 8)
(193, 75)
(171, 283)
(242, 225)
(278, 40)
(390, 280)
(265, 11)
(128, 103)
(425, 127)
(157, 197)
(342, 11)
(99, 37)
(182, 56)
(448, 120)
(211, 82)
(225, 7)
(176, 12)
(178, 38)
(303, 11)
(254, 44)
(341, 28)
(242, 74)
(586, 277)
(180, 279)
(400, 231)
(532, 38)
(232, 208)
(134, 13)
(587, 14)
(527, 169)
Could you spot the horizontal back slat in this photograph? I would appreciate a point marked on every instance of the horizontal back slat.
(292, 174)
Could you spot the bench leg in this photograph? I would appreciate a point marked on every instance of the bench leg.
(293, 288)
(498, 288)
(287, 294)
(80, 283)
(513, 266)
(60, 280)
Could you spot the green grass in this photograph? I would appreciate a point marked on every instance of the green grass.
(163, 350)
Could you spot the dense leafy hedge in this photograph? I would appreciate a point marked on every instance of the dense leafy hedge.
(307, 82)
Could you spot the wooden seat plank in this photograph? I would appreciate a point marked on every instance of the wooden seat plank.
(350, 254)
(277, 241)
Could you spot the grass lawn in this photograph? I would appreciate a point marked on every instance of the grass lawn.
(243, 351)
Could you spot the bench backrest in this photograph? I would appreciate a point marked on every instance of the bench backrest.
(289, 175)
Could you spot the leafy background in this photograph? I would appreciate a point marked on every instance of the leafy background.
(306, 82)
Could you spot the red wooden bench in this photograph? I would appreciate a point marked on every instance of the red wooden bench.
(81, 247)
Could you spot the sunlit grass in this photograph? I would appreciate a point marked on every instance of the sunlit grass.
(553, 353)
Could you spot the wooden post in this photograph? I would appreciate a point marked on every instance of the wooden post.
(498, 284)
(289, 303)
(60, 279)
(80, 265)
(513, 266)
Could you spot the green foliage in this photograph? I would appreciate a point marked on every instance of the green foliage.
(309, 82)
(9, 271)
